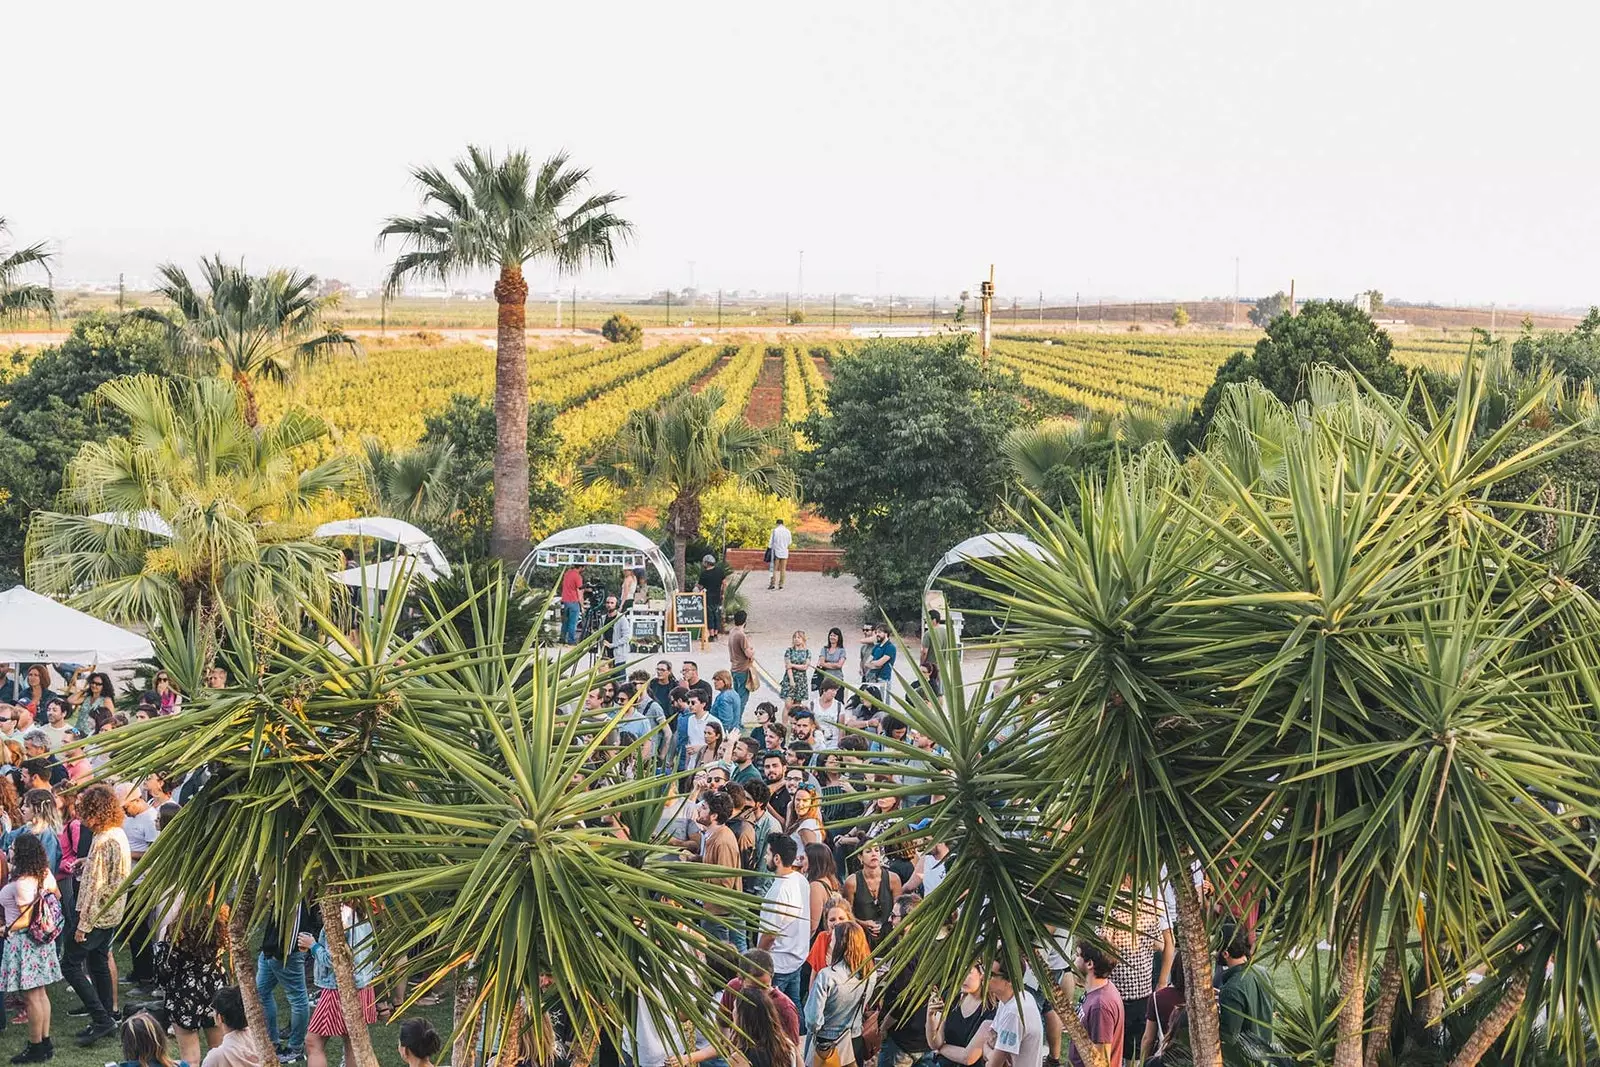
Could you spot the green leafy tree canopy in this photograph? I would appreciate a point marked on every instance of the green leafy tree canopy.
(908, 459)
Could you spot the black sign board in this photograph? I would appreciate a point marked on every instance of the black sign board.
(675, 641)
(689, 610)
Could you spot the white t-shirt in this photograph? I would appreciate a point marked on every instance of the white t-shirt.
(1019, 1030)
(785, 914)
(932, 873)
(653, 1050)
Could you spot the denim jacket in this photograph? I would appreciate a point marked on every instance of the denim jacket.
(837, 1003)
(361, 947)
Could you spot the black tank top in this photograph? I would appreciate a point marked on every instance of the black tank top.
(878, 910)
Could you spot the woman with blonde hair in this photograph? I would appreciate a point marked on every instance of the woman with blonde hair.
(837, 1003)
(144, 1043)
(805, 816)
(796, 670)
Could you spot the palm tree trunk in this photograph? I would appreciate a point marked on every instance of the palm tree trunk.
(1383, 1012)
(244, 972)
(1353, 1000)
(1199, 993)
(464, 1027)
(511, 1037)
(360, 1052)
(247, 390)
(1494, 1024)
(508, 537)
(1072, 1026)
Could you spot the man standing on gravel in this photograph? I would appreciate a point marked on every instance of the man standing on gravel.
(741, 659)
(778, 545)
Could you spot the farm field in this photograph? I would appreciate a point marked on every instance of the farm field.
(387, 392)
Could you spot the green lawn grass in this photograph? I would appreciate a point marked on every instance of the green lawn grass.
(109, 1051)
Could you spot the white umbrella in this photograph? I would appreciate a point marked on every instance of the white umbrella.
(382, 575)
(150, 522)
(379, 528)
(34, 627)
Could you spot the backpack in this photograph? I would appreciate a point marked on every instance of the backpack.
(45, 925)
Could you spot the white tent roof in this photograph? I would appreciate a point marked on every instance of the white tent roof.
(383, 574)
(150, 522)
(983, 546)
(606, 533)
(34, 627)
(399, 531)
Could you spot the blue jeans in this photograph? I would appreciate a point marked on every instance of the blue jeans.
(570, 610)
(721, 931)
(291, 975)
(741, 685)
(789, 984)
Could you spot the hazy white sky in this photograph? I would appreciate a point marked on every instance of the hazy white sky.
(1441, 151)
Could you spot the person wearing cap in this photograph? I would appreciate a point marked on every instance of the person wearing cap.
(712, 577)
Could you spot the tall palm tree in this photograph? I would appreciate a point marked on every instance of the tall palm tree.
(500, 215)
(246, 327)
(683, 448)
(192, 507)
(17, 297)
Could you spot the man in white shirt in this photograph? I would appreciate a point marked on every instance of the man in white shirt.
(779, 543)
(785, 916)
(1018, 1037)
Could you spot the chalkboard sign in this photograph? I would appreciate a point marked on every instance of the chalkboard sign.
(646, 626)
(689, 609)
(675, 641)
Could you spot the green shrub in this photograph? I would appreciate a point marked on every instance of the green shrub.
(621, 330)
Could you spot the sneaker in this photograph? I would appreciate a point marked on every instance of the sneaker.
(288, 1056)
(35, 1053)
(92, 1034)
(78, 1011)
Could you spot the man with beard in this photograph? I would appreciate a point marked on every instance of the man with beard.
(693, 682)
(773, 769)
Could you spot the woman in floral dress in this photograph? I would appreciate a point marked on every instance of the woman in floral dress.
(189, 971)
(796, 665)
(28, 966)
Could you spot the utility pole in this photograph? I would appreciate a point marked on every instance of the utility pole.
(1077, 307)
(121, 292)
(986, 298)
(800, 281)
(1291, 298)
(933, 311)
(1233, 312)
(669, 306)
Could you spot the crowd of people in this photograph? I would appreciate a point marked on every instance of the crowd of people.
(786, 791)
(67, 853)
(787, 780)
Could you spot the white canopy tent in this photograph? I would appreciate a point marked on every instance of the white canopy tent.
(34, 628)
(413, 540)
(983, 546)
(150, 522)
(382, 575)
(607, 535)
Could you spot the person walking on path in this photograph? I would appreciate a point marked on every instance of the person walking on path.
(778, 545)
(741, 659)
